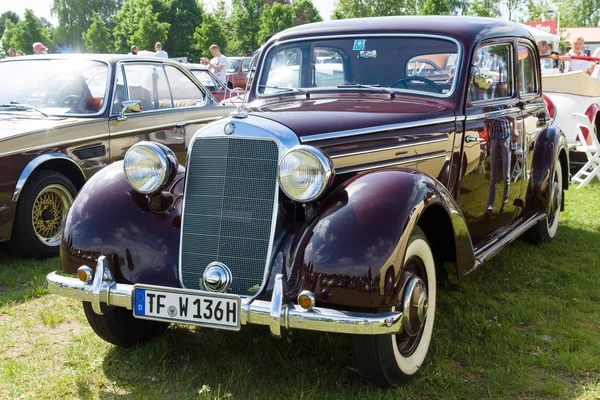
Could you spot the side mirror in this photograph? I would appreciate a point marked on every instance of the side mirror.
(130, 107)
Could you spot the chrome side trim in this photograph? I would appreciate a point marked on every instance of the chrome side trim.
(438, 138)
(33, 164)
(402, 161)
(493, 114)
(252, 127)
(258, 312)
(377, 129)
(58, 144)
(313, 39)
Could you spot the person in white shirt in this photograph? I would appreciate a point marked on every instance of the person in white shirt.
(579, 65)
(218, 65)
(159, 51)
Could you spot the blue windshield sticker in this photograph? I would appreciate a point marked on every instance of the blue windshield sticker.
(359, 44)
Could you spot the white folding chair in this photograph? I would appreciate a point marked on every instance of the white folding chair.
(591, 169)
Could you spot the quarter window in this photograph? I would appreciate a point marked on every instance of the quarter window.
(527, 81)
(148, 83)
(491, 73)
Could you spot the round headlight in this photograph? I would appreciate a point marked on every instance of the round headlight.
(304, 173)
(147, 167)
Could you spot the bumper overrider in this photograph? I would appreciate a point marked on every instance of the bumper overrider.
(278, 314)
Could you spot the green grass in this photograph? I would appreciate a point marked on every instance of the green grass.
(527, 325)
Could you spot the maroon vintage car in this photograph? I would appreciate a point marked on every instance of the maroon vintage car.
(337, 200)
(237, 69)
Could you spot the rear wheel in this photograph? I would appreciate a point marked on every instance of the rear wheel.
(389, 360)
(118, 326)
(545, 230)
(41, 213)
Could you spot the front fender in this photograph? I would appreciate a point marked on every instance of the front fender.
(109, 218)
(550, 146)
(351, 252)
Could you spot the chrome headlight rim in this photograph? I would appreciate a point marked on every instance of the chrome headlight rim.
(326, 164)
(165, 161)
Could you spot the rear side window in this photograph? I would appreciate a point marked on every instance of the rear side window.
(526, 71)
(492, 73)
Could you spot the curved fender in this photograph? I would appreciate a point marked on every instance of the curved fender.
(351, 252)
(109, 218)
(548, 145)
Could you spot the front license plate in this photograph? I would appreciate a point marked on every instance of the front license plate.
(221, 311)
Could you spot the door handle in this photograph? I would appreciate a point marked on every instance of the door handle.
(471, 139)
(179, 127)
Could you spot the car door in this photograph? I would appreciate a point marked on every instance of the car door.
(194, 102)
(535, 115)
(159, 120)
(491, 190)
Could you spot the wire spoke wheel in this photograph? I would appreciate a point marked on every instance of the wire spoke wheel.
(49, 211)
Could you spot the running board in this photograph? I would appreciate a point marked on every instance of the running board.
(487, 252)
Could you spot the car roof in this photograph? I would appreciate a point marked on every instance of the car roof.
(108, 58)
(464, 28)
(196, 66)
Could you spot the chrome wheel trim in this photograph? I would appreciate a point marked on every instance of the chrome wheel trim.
(49, 212)
(555, 201)
(409, 361)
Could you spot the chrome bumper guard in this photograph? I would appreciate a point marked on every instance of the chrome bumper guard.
(276, 314)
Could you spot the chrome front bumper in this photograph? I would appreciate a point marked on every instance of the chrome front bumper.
(276, 314)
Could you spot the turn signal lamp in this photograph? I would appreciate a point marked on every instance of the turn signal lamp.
(306, 300)
(85, 274)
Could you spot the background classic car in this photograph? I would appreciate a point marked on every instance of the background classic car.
(62, 118)
(330, 208)
(237, 69)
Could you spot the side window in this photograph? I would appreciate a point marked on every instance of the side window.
(148, 83)
(185, 92)
(492, 73)
(246, 65)
(120, 94)
(526, 74)
(329, 68)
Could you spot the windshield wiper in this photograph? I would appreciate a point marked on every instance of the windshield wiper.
(361, 86)
(16, 106)
(287, 89)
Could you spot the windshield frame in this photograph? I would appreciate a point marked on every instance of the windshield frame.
(107, 91)
(311, 39)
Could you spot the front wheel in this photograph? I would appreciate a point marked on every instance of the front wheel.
(118, 326)
(41, 213)
(545, 230)
(389, 360)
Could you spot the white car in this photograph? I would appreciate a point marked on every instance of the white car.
(568, 93)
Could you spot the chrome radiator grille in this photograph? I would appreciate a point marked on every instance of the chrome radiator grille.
(229, 202)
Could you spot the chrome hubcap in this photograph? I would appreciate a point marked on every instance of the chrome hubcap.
(414, 306)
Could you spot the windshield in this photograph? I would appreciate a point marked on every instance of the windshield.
(416, 64)
(233, 64)
(56, 87)
(205, 78)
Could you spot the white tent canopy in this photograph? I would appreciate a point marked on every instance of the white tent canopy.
(539, 34)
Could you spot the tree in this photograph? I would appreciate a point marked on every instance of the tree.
(275, 19)
(536, 10)
(245, 17)
(209, 33)
(372, 8)
(75, 17)
(578, 12)
(8, 16)
(137, 23)
(26, 32)
(97, 37)
(305, 12)
(483, 8)
(442, 7)
(187, 15)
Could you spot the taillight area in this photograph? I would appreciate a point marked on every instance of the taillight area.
(591, 114)
(549, 106)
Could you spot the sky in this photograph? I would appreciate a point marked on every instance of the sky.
(41, 8)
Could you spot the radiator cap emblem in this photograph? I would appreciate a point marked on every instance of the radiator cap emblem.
(229, 128)
(216, 277)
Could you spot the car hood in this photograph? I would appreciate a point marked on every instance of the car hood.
(317, 116)
(13, 125)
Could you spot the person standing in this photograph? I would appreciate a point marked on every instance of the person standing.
(579, 65)
(134, 50)
(39, 48)
(159, 51)
(218, 64)
(12, 52)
